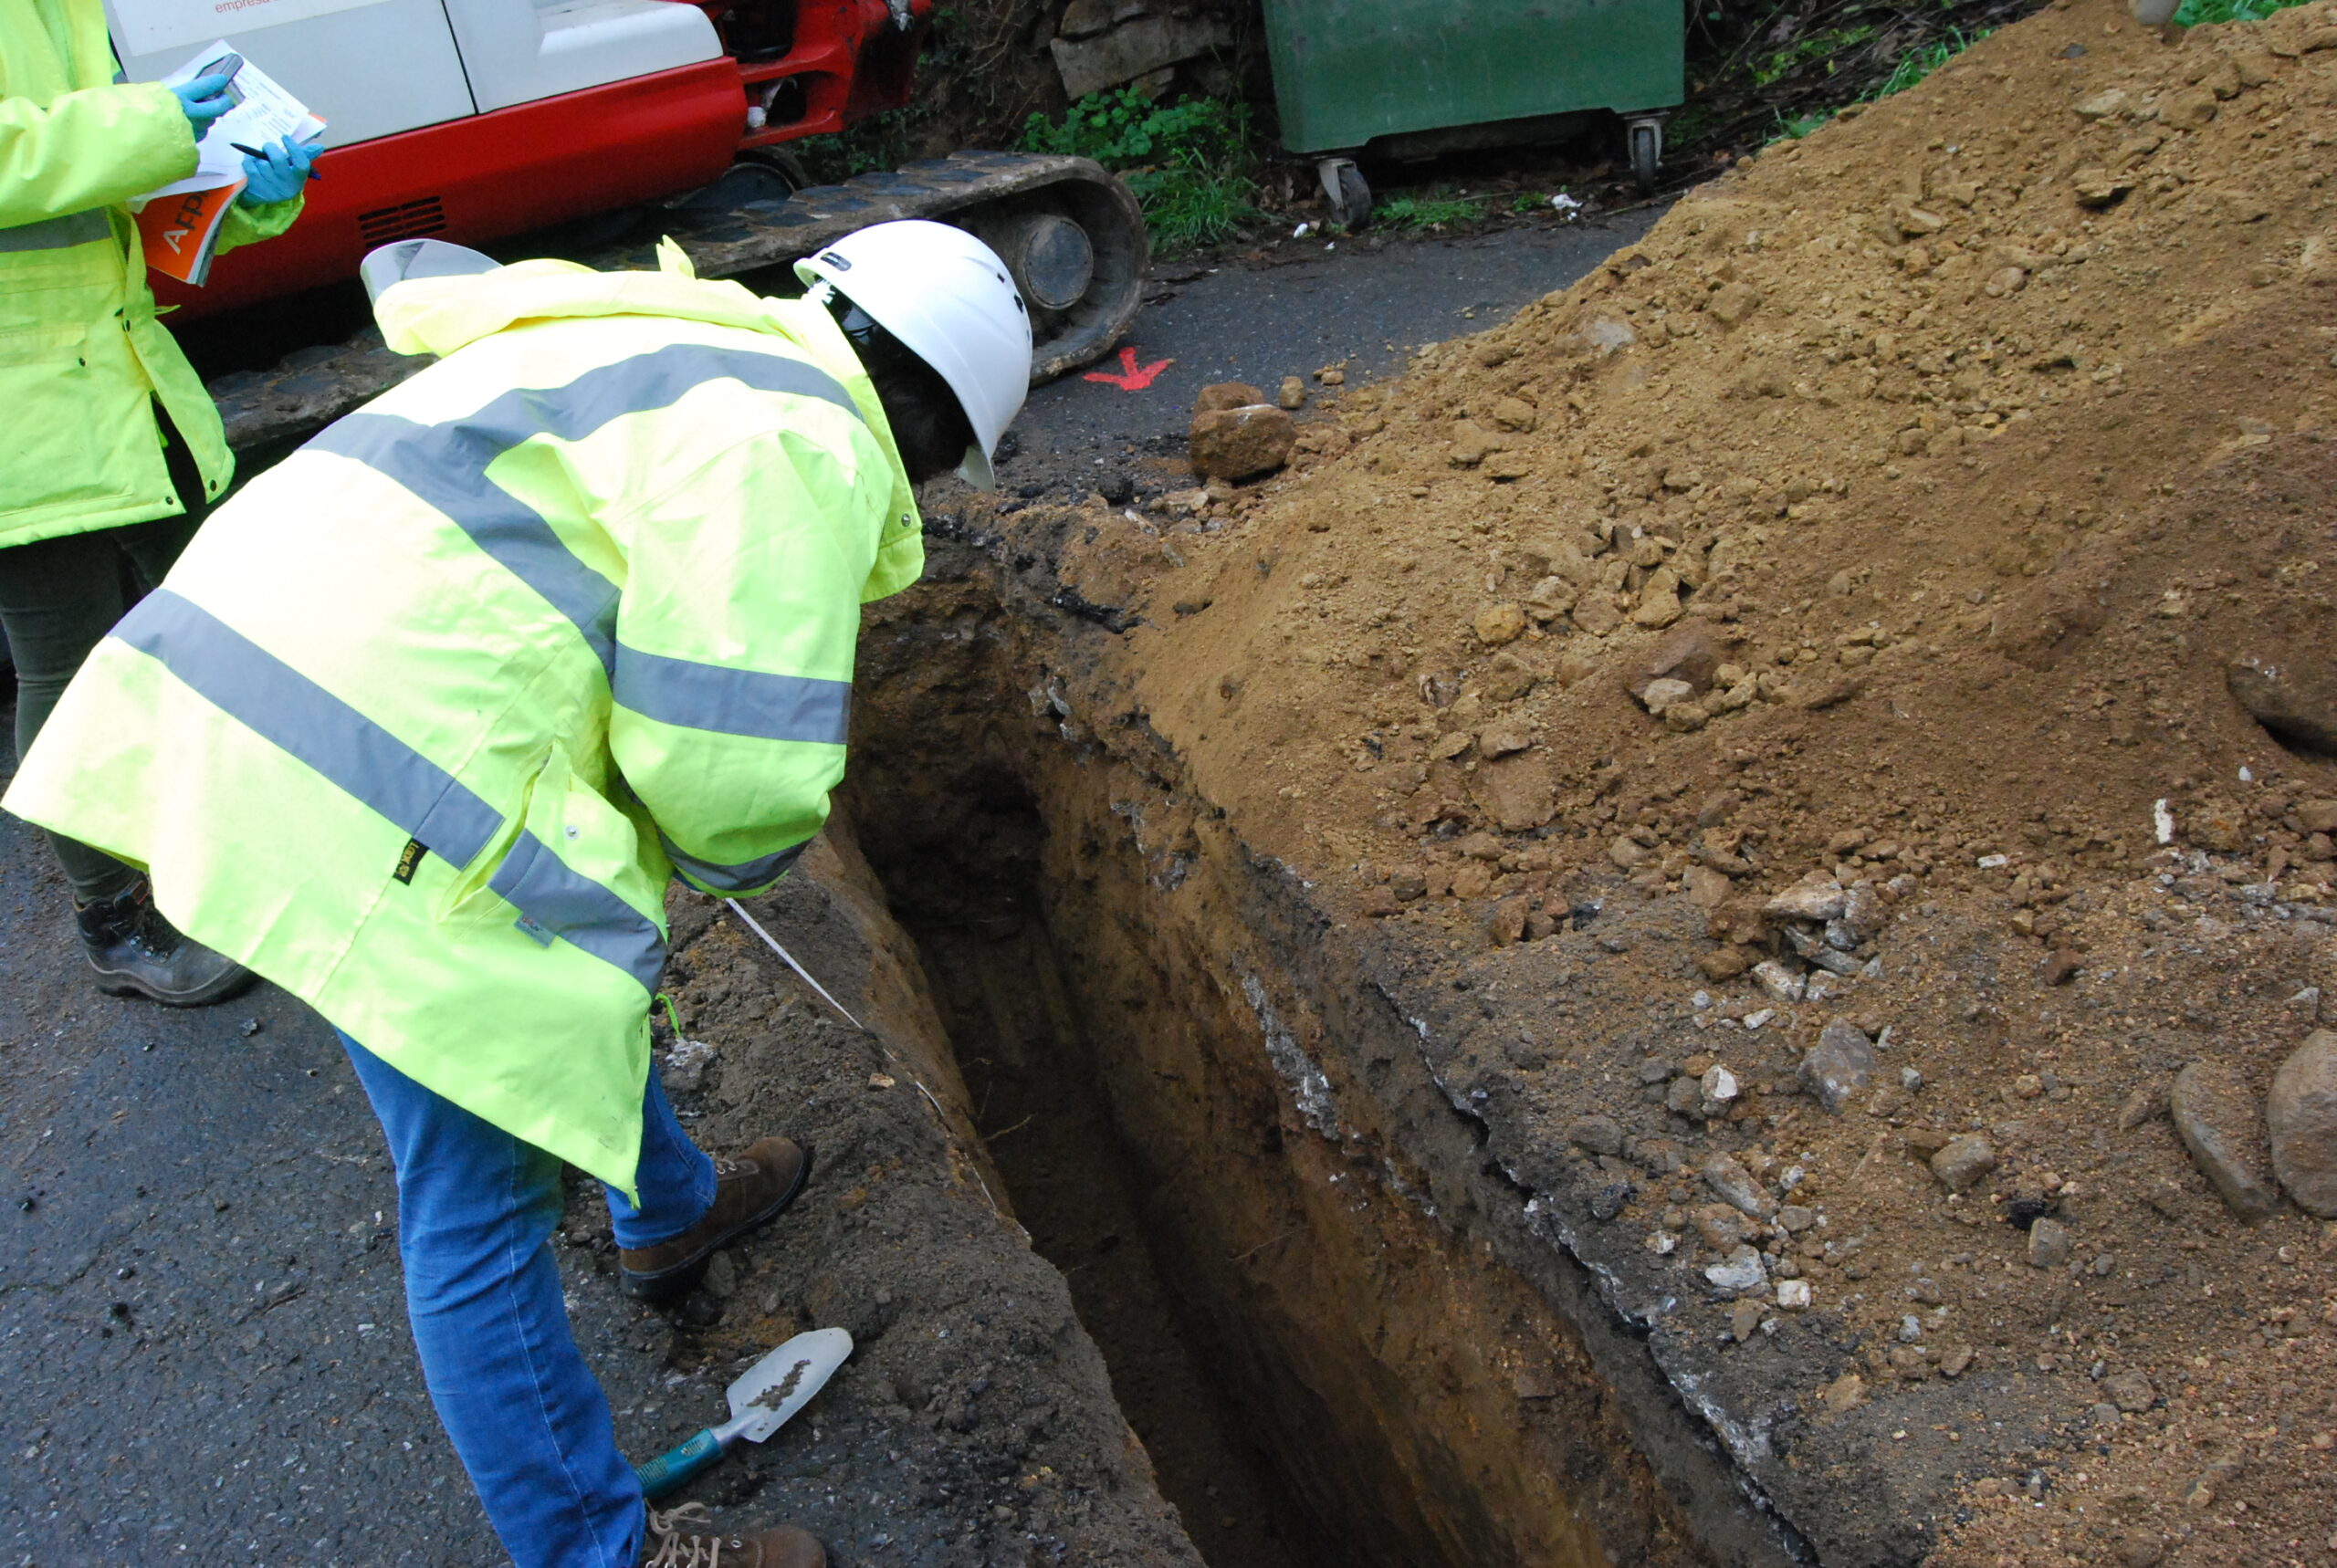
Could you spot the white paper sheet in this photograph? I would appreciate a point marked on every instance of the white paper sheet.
(265, 112)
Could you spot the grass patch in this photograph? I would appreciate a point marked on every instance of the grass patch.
(1426, 211)
(1819, 45)
(1189, 163)
(2204, 13)
(1794, 127)
(1913, 66)
(1916, 64)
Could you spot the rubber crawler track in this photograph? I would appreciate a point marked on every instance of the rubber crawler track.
(276, 409)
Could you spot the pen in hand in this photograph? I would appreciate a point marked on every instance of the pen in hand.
(256, 152)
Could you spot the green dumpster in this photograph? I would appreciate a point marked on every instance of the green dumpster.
(1352, 73)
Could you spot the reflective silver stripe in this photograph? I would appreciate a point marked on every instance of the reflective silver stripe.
(59, 233)
(571, 905)
(742, 878)
(731, 701)
(282, 705)
(445, 465)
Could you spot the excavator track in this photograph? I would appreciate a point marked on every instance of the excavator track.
(1069, 230)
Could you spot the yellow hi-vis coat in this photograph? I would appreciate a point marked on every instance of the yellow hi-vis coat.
(80, 352)
(426, 717)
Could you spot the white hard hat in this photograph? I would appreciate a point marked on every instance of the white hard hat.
(404, 258)
(947, 297)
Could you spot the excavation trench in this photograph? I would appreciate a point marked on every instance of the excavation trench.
(1324, 1309)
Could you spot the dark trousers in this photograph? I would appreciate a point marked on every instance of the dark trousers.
(58, 598)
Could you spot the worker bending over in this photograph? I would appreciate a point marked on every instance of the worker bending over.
(113, 449)
(421, 722)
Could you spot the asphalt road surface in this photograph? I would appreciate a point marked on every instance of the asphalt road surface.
(201, 1316)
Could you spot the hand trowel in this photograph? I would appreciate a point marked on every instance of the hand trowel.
(762, 1399)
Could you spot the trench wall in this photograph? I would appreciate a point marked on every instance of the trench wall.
(1433, 1376)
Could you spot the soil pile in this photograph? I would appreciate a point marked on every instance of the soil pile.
(1783, 419)
(1845, 696)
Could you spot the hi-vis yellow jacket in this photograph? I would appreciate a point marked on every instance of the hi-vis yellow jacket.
(423, 719)
(80, 352)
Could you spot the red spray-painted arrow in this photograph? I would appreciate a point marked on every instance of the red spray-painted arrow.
(1130, 377)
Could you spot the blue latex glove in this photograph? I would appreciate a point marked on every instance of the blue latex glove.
(204, 99)
(278, 174)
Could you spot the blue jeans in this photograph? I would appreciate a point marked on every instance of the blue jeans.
(476, 1208)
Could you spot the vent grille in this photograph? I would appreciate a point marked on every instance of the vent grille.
(408, 220)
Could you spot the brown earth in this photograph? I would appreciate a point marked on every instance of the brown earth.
(1969, 462)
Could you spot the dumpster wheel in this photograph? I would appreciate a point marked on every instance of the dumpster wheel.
(1344, 190)
(1643, 135)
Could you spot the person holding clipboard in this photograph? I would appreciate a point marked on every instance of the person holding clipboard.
(113, 449)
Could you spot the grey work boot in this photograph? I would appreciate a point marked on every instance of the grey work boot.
(137, 953)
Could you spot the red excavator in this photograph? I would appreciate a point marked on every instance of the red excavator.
(474, 121)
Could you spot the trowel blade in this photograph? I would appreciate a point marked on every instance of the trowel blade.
(768, 1393)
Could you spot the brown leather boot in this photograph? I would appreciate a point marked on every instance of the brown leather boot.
(671, 1543)
(749, 1191)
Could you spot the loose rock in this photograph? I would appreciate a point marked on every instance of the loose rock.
(1499, 623)
(1734, 302)
(1864, 913)
(1781, 983)
(1815, 897)
(2217, 1118)
(1509, 677)
(2141, 1105)
(1841, 1064)
(1705, 888)
(1514, 413)
(1959, 1165)
(2130, 1390)
(2048, 1244)
(1220, 395)
(1516, 791)
(1660, 694)
(2302, 1115)
(1736, 1186)
(1742, 1269)
(1844, 1395)
(1599, 1134)
(1241, 442)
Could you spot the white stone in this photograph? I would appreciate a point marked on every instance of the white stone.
(1793, 1296)
(1742, 1269)
(1719, 1083)
(1781, 983)
(1815, 897)
(1663, 694)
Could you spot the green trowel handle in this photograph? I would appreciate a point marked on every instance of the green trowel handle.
(669, 1470)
